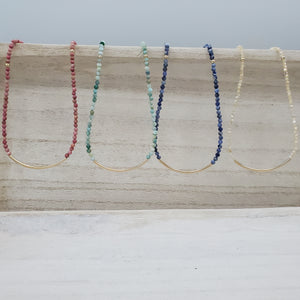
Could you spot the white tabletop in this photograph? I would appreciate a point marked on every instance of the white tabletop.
(159, 254)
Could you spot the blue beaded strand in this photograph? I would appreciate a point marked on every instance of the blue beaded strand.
(161, 93)
(217, 97)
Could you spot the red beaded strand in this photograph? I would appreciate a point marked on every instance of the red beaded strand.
(6, 93)
(75, 104)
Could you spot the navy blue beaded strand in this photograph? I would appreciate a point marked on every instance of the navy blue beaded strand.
(217, 97)
(217, 103)
(161, 93)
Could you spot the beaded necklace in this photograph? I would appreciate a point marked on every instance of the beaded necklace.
(291, 106)
(92, 110)
(217, 103)
(5, 105)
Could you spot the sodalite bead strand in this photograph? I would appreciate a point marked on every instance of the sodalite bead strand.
(217, 97)
(150, 95)
(92, 110)
(161, 94)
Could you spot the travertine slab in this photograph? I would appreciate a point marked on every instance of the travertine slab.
(40, 130)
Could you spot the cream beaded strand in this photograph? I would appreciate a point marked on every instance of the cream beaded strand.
(291, 106)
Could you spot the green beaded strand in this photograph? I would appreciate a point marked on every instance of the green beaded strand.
(149, 88)
(149, 92)
(92, 110)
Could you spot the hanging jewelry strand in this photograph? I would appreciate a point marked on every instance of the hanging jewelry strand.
(291, 106)
(92, 110)
(217, 104)
(5, 105)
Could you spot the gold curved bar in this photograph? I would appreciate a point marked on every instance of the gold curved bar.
(262, 170)
(184, 171)
(38, 167)
(121, 170)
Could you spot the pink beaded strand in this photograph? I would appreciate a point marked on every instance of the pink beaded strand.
(5, 104)
(6, 93)
(75, 104)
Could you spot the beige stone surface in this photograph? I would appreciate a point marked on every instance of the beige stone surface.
(156, 254)
(40, 130)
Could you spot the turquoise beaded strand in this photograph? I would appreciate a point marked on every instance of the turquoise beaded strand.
(150, 95)
(92, 110)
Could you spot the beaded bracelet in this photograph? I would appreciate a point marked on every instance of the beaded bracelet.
(92, 110)
(5, 105)
(217, 103)
(291, 106)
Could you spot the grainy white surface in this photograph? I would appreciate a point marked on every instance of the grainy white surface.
(249, 254)
(40, 130)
